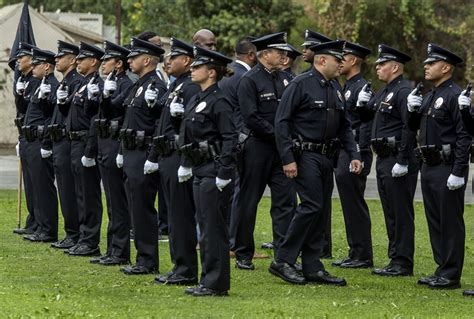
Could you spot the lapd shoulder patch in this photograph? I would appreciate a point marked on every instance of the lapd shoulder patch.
(201, 106)
(139, 91)
(389, 97)
(347, 95)
(439, 101)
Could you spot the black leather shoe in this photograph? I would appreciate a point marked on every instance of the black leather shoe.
(23, 231)
(298, 267)
(444, 283)
(113, 261)
(40, 237)
(98, 259)
(426, 280)
(244, 264)
(338, 263)
(286, 272)
(354, 264)
(73, 248)
(137, 270)
(65, 243)
(190, 290)
(206, 292)
(85, 251)
(175, 279)
(267, 246)
(326, 256)
(392, 271)
(323, 277)
(468, 293)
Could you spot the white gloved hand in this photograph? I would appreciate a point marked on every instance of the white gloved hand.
(413, 101)
(20, 87)
(399, 170)
(87, 162)
(46, 153)
(176, 109)
(363, 97)
(119, 160)
(150, 167)
(17, 149)
(61, 96)
(110, 86)
(222, 183)
(464, 101)
(92, 89)
(151, 96)
(455, 182)
(184, 174)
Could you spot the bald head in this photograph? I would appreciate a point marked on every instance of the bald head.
(206, 39)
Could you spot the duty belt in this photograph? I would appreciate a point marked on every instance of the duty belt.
(19, 124)
(434, 155)
(132, 139)
(330, 149)
(385, 146)
(200, 153)
(164, 145)
(32, 132)
(56, 132)
(78, 135)
(106, 128)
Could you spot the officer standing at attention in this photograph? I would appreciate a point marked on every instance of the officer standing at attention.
(136, 137)
(290, 60)
(179, 196)
(40, 167)
(352, 187)
(310, 127)
(80, 109)
(443, 144)
(65, 64)
(311, 38)
(107, 128)
(24, 89)
(259, 92)
(207, 142)
(397, 167)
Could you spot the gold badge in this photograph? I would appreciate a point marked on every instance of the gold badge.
(201, 106)
(439, 101)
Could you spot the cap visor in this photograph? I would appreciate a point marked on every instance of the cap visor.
(133, 54)
(380, 60)
(431, 60)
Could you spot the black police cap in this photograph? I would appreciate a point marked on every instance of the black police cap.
(24, 49)
(42, 56)
(87, 50)
(312, 38)
(66, 48)
(179, 47)
(437, 53)
(205, 56)
(334, 48)
(113, 50)
(293, 54)
(387, 53)
(138, 47)
(356, 49)
(272, 41)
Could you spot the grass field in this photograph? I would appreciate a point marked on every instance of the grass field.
(37, 281)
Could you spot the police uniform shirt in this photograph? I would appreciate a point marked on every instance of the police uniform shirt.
(72, 80)
(439, 120)
(259, 93)
(138, 115)
(208, 117)
(391, 116)
(22, 101)
(40, 110)
(112, 108)
(312, 108)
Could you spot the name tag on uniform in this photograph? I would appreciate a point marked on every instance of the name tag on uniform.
(267, 96)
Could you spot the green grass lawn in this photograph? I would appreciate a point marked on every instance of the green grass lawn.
(37, 281)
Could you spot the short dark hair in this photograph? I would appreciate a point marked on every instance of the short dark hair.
(244, 46)
(146, 35)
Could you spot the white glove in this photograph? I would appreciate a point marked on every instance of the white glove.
(119, 160)
(176, 109)
(20, 87)
(222, 183)
(150, 167)
(184, 174)
(46, 153)
(455, 182)
(17, 149)
(464, 101)
(110, 86)
(87, 162)
(363, 97)
(399, 170)
(61, 96)
(92, 89)
(151, 96)
(413, 101)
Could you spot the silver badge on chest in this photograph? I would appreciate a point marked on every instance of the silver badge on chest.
(439, 101)
(201, 106)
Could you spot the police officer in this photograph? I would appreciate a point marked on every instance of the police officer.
(107, 126)
(311, 38)
(290, 60)
(310, 127)
(179, 196)
(259, 93)
(443, 144)
(38, 159)
(397, 168)
(24, 89)
(136, 135)
(80, 109)
(351, 187)
(208, 138)
(66, 64)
